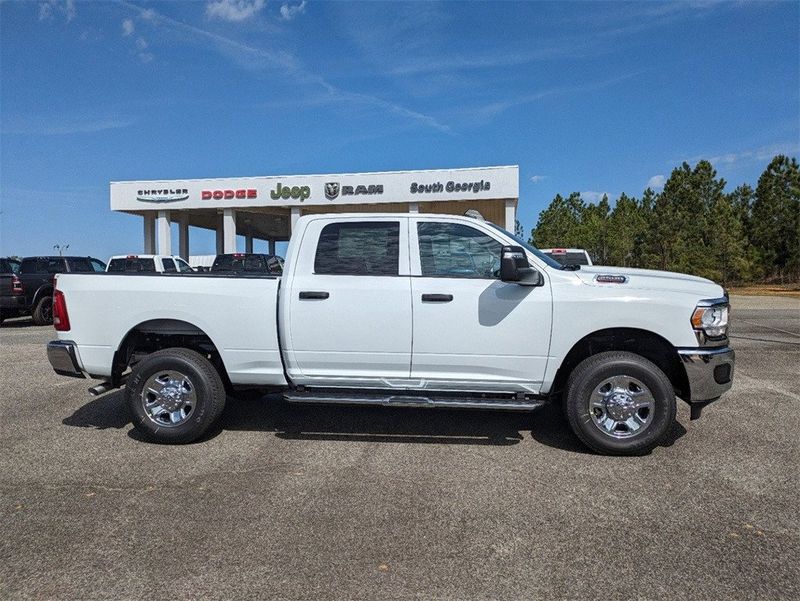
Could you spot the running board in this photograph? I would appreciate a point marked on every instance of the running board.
(409, 400)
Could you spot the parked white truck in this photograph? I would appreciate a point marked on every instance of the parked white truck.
(414, 310)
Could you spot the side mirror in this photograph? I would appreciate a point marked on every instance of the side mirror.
(514, 267)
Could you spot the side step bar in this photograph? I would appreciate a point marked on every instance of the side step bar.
(410, 400)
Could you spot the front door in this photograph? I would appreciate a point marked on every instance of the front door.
(471, 330)
(350, 314)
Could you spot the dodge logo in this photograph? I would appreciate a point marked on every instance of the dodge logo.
(331, 190)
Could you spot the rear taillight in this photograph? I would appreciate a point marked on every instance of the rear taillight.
(60, 315)
(16, 285)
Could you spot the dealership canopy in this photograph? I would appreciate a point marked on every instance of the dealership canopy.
(267, 207)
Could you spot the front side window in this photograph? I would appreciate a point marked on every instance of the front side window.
(455, 250)
(169, 265)
(359, 248)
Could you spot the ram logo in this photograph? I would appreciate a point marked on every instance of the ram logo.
(331, 190)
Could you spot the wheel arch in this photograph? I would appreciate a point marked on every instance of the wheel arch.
(156, 334)
(645, 343)
(41, 291)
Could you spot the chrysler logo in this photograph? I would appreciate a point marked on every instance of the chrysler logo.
(166, 195)
(331, 190)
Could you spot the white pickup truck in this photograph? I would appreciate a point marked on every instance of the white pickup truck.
(406, 310)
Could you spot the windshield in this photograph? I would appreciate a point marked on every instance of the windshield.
(539, 254)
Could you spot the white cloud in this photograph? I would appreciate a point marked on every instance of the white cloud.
(289, 12)
(656, 182)
(593, 196)
(538, 178)
(48, 8)
(42, 127)
(233, 10)
(141, 44)
(127, 27)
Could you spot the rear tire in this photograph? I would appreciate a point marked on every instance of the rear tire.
(43, 313)
(619, 403)
(175, 395)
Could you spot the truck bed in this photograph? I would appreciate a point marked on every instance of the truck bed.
(238, 313)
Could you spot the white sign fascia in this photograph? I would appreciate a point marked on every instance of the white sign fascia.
(317, 190)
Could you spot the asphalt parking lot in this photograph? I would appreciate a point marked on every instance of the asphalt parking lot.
(301, 502)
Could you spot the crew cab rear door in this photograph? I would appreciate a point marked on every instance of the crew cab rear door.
(349, 312)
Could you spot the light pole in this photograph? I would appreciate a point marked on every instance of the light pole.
(60, 248)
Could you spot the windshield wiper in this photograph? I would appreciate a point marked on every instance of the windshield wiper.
(570, 267)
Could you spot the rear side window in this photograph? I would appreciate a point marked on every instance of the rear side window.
(4, 266)
(80, 265)
(169, 265)
(131, 265)
(359, 248)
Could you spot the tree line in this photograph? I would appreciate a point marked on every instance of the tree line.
(691, 226)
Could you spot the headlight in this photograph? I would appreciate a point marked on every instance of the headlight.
(712, 320)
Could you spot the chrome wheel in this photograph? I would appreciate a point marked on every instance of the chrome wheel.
(622, 406)
(168, 398)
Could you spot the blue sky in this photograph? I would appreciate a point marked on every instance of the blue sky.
(587, 96)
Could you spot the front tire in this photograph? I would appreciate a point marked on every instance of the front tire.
(619, 403)
(175, 395)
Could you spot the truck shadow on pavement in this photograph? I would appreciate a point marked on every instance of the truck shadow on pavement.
(364, 424)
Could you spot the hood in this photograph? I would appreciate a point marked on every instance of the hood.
(651, 279)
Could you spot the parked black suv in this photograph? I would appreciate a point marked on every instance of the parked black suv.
(248, 263)
(37, 274)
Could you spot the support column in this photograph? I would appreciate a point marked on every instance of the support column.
(228, 231)
(295, 217)
(220, 244)
(149, 233)
(248, 243)
(272, 246)
(183, 235)
(511, 215)
(163, 231)
(413, 207)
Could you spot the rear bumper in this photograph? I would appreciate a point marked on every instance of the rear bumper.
(709, 372)
(64, 358)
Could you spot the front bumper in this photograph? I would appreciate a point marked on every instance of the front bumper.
(64, 359)
(709, 373)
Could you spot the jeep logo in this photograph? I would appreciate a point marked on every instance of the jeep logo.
(285, 192)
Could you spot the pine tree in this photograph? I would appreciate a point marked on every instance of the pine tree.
(728, 244)
(775, 219)
(558, 224)
(594, 231)
(626, 225)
